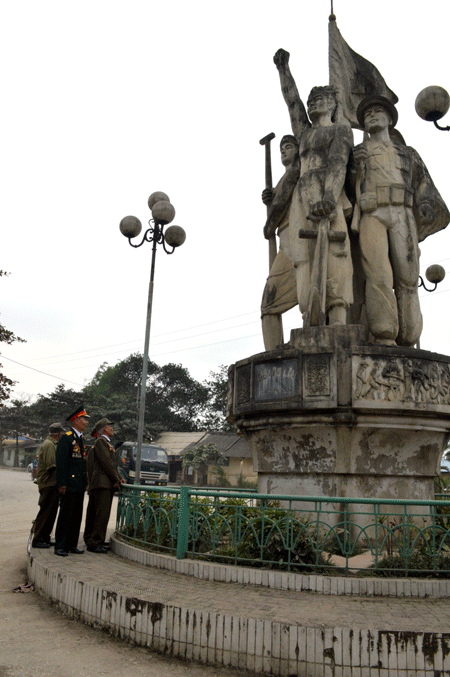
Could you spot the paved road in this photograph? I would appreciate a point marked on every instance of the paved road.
(35, 639)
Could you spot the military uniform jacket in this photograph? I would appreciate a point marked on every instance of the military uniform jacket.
(71, 462)
(102, 466)
(46, 468)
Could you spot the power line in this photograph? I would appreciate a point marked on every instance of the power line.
(41, 372)
(175, 331)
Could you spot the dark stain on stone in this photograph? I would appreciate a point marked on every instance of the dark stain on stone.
(156, 611)
(329, 653)
(445, 644)
(110, 598)
(133, 606)
(430, 646)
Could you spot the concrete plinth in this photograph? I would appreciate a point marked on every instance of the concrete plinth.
(330, 415)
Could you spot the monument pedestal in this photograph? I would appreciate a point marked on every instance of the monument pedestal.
(330, 415)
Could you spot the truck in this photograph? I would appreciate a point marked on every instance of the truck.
(154, 463)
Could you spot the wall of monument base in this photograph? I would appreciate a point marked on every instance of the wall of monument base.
(360, 515)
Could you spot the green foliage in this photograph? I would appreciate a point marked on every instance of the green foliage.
(174, 400)
(231, 530)
(202, 455)
(217, 385)
(221, 476)
(420, 564)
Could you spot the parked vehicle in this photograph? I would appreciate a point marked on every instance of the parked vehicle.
(154, 463)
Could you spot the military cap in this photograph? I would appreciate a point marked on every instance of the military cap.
(376, 100)
(77, 414)
(100, 425)
(55, 428)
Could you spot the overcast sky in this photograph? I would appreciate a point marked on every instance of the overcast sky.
(105, 102)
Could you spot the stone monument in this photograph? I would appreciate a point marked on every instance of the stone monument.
(349, 409)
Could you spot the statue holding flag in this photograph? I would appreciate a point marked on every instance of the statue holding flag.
(397, 205)
(319, 203)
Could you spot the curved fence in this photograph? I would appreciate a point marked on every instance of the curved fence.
(291, 533)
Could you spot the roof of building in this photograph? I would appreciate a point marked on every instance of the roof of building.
(230, 444)
(176, 444)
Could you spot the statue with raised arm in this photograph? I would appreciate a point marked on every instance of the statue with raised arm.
(319, 202)
(397, 206)
(280, 292)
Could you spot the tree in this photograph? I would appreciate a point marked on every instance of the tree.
(200, 457)
(217, 385)
(14, 421)
(8, 337)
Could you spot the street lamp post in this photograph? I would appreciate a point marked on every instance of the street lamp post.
(432, 103)
(163, 213)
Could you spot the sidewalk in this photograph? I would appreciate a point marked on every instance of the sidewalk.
(276, 631)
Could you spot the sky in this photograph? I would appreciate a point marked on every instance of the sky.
(106, 102)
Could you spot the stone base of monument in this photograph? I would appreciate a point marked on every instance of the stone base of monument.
(330, 415)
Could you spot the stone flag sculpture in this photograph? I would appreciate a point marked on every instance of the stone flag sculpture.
(352, 76)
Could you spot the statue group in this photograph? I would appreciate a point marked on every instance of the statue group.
(344, 213)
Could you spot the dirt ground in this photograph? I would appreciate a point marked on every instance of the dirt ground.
(36, 640)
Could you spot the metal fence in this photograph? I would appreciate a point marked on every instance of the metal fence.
(290, 533)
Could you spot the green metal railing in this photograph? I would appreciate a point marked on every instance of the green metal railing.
(291, 533)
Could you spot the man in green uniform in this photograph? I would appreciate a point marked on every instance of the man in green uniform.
(48, 493)
(103, 481)
(71, 481)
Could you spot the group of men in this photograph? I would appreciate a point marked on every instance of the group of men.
(381, 187)
(65, 469)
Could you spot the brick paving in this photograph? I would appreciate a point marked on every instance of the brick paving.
(115, 574)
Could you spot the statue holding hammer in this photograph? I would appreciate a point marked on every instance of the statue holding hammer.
(319, 244)
(280, 292)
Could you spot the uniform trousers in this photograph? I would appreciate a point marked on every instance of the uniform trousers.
(97, 516)
(69, 520)
(48, 509)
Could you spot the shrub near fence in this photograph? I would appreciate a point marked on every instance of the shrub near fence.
(316, 534)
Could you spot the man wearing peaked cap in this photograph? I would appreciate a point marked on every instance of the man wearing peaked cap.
(103, 481)
(48, 493)
(71, 481)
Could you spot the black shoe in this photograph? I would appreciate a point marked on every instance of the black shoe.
(97, 548)
(61, 553)
(40, 544)
(76, 551)
(51, 543)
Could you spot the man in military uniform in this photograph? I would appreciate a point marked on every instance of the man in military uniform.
(397, 206)
(103, 481)
(48, 493)
(71, 481)
(280, 292)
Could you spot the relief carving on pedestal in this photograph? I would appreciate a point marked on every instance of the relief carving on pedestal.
(399, 379)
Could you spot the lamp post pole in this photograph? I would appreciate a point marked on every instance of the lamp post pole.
(163, 213)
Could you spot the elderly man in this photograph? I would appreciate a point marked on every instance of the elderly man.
(103, 481)
(324, 147)
(71, 481)
(48, 493)
(280, 292)
(397, 206)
